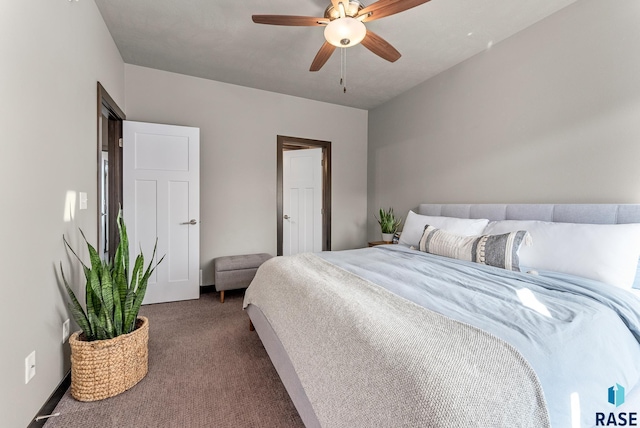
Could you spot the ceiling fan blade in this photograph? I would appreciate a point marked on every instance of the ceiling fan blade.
(303, 21)
(380, 47)
(383, 8)
(322, 56)
(377, 5)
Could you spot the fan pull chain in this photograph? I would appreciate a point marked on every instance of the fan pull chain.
(343, 69)
(344, 87)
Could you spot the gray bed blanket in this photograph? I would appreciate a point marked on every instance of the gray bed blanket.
(369, 358)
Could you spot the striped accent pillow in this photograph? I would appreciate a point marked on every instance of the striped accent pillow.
(493, 250)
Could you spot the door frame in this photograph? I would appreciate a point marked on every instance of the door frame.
(295, 143)
(114, 134)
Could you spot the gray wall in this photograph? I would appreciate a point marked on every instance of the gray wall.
(53, 53)
(238, 129)
(549, 115)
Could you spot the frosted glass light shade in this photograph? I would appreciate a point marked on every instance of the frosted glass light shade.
(345, 32)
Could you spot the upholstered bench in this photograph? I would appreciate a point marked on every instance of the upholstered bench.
(233, 272)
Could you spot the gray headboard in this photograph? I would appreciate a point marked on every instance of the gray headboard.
(563, 213)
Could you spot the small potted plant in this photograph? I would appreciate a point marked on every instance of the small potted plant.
(388, 224)
(110, 354)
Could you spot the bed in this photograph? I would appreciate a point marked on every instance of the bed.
(394, 336)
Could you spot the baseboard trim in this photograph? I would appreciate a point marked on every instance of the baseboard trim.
(48, 407)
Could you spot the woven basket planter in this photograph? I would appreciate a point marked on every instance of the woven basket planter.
(103, 368)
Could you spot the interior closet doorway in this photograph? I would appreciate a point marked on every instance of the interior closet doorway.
(110, 117)
(301, 198)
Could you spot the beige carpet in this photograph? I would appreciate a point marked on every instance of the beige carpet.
(206, 369)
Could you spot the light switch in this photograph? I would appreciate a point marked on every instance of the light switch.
(83, 200)
(29, 367)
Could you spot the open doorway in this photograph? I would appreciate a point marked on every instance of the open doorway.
(110, 118)
(289, 144)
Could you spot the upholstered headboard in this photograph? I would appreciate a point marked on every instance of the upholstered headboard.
(563, 213)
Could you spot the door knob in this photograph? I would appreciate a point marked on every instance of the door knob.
(286, 217)
(192, 222)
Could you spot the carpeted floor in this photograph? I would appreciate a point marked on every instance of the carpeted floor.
(206, 369)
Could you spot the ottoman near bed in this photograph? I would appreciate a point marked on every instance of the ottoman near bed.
(233, 272)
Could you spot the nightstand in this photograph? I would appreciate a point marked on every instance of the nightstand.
(374, 243)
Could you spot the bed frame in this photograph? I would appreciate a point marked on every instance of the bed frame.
(563, 213)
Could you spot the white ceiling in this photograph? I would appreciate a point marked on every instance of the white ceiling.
(216, 39)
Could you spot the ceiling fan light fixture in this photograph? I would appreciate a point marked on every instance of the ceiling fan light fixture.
(345, 32)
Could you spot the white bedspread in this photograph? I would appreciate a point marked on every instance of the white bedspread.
(368, 358)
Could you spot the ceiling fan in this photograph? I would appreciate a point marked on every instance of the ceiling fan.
(344, 26)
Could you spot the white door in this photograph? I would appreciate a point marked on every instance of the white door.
(302, 201)
(161, 198)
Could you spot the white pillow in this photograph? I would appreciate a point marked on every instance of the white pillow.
(604, 252)
(414, 226)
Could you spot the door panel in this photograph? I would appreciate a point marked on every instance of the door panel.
(292, 241)
(145, 226)
(178, 209)
(162, 152)
(302, 201)
(161, 197)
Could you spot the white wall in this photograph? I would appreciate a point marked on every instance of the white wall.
(53, 53)
(549, 115)
(238, 130)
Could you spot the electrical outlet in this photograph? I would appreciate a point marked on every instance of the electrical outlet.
(65, 331)
(29, 367)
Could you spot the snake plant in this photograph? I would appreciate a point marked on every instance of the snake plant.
(112, 299)
(388, 222)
